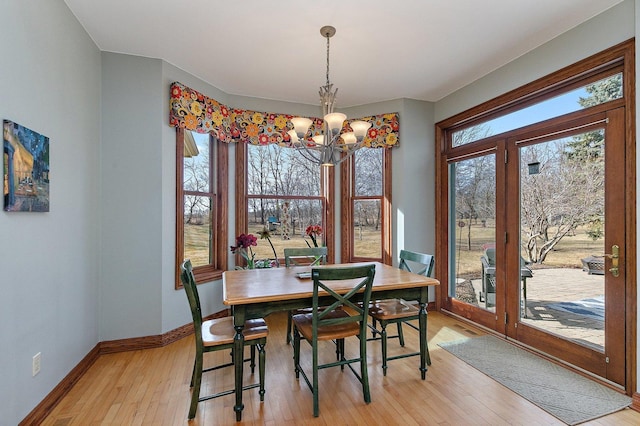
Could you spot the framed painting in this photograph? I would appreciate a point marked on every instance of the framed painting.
(26, 169)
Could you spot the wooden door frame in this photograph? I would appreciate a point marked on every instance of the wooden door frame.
(621, 56)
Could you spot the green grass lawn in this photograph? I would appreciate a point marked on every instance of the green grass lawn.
(567, 253)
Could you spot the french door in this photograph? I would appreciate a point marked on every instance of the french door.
(537, 239)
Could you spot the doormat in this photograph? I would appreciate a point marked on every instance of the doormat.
(591, 308)
(562, 393)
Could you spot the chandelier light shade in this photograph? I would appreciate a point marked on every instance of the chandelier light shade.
(331, 147)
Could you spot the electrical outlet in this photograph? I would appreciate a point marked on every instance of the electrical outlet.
(35, 366)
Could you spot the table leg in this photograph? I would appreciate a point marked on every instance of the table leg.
(238, 361)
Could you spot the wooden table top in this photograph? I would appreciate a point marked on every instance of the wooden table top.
(247, 286)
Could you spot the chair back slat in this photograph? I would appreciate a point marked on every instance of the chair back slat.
(309, 256)
(189, 284)
(426, 262)
(324, 279)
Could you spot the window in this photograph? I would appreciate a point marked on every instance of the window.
(559, 102)
(201, 216)
(282, 192)
(366, 203)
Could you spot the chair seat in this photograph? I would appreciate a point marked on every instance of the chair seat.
(392, 309)
(220, 331)
(303, 323)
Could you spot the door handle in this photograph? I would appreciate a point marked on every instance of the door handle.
(614, 256)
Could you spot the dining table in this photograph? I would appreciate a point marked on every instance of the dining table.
(256, 293)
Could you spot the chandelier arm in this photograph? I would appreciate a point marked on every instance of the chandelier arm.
(308, 154)
(349, 154)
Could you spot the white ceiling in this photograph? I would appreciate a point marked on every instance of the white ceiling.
(420, 49)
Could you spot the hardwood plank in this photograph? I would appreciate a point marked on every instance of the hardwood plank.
(151, 386)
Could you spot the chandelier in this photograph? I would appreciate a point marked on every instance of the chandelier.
(328, 148)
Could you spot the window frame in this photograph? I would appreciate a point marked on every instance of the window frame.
(218, 190)
(347, 191)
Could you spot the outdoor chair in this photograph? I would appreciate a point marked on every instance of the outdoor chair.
(488, 292)
(218, 334)
(342, 317)
(398, 311)
(309, 256)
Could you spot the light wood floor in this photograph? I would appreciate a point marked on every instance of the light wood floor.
(151, 387)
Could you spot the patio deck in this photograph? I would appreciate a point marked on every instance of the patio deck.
(550, 286)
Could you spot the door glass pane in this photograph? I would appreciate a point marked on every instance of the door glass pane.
(562, 226)
(472, 221)
(367, 229)
(197, 230)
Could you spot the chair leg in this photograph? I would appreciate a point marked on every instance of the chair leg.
(193, 373)
(426, 351)
(400, 334)
(364, 372)
(253, 359)
(296, 352)
(197, 381)
(340, 345)
(316, 403)
(261, 368)
(383, 337)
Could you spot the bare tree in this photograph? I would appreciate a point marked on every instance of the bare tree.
(280, 171)
(565, 193)
(368, 182)
(475, 180)
(569, 190)
(196, 178)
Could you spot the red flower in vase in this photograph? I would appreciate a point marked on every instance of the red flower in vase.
(243, 247)
(313, 231)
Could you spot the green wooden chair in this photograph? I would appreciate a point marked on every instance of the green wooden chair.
(309, 256)
(335, 323)
(398, 311)
(216, 335)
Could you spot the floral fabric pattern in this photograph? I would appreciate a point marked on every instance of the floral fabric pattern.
(194, 111)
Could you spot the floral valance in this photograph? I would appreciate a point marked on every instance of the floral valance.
(192, 110)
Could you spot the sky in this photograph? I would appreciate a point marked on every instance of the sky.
(550, 108)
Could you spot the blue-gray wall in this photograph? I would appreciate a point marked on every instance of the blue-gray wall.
(99, 265)
(49, 262)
